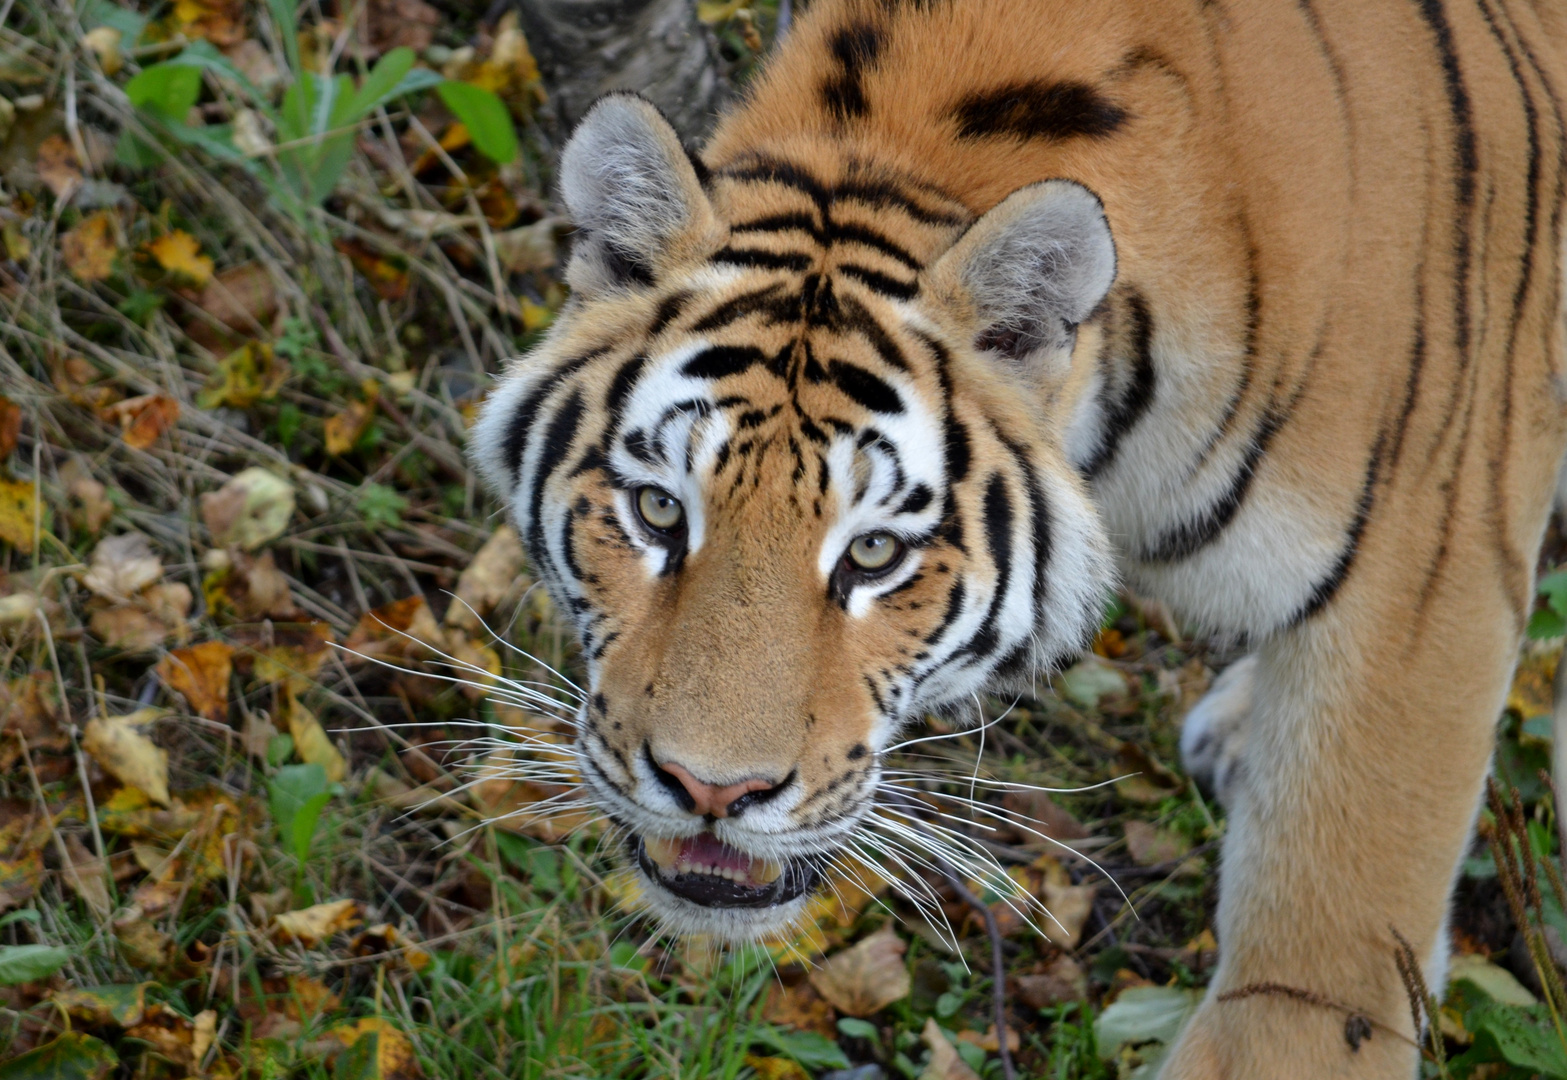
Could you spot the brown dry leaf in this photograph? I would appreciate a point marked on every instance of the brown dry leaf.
(1063, 979)
(776, 1068)
(1144, 778)
(29, 705)
(343, 430)
(487, 580)
(129, 756)
(482, 664)
(401, 629)
(312, 743)
(529, 248)
(387, 274)
(801, 1007)
(127, 628)
(168, 1036)
(122, 566)
(58, 167)
(312, 925)
(255, 62)
(386, 938)
(247, 587)
(507, 804)
(1044, 815)
(18, 513)
(142, 419)
(81, 383)
(945, 1064)
(10, 426)
(221, 22)
(394, 1054)
(247, 376)
(867, 977)
(1149, 845)
(178, 252)
(1069, 905)
(990, 1042)
(510, 70)
(89, 249)
(19, 878)
(388, 24)
(201, 673)
(292, 655)
(249, 510)
(93, 509)
(243, 298)
(169, 602)
(105, 43)
(85, 874)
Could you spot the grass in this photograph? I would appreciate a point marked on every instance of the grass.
(342, 348)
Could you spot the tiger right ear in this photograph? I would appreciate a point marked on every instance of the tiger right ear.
(1029, 271)
(633, 193)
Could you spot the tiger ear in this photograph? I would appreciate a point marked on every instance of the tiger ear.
(1029, 271)
(633, 193)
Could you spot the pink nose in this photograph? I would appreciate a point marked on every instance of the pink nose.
(710, 800)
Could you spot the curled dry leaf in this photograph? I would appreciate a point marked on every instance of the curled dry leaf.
(243, 298)
(178, 252)
(85, 873)
(18, 513)
(247, 587)
(250, 374)
(342, 431)
(403, 629)
(89, 249)
(867, 977)
(143, 419)
(312, 925)
(1062, 979)
(129, 756)
(249, 510)
(487, 580)
(160, 613)
(58, 167)
(374, 1049)
(801, 1007)
(122, 566)
(1069, 905)
(201, 674)
(945, 1063)
(312, 743)
(1149, 845)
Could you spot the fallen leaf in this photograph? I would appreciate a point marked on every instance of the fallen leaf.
(342, 430)
(800, 1007)
(143, 419)
(128, 628)
(867, 977)
(205, 1034)
(93, 508)
(402, 629)
(990, 1042)
(1068, 905)
(221, 22)
(312, 925)
(121, 1005)
(242, 298)
(386, 938)
(84, 872)
(1531, 693)
(249, 510)
(201, 674)
(82, 383)
(1062, 980)
(129, 756)
(374, 1049)
(30, 963)
(29, 704)
(254, 61)
(19, 879)
(487, 580)
(167, 1035)
(776, 1068)
(293, 653)
(387, 274)
(391, 24)
(312, 743)
(1143, 778)
(1495, 982)
(58, 167)
(945, 1062)
(18, 513)
(178, 252)
(89, 249)
(248, 587)
(104, 42)
(529, 248)
(246, 376)
(10, 426)
(1043, 814)
(1144, 1014)
(1091, 680)
(1149, 845)
(122, 566)
(72, 1056)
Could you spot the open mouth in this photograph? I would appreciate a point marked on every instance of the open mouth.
(706, 871)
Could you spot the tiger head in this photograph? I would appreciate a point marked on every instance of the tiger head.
(783, 461)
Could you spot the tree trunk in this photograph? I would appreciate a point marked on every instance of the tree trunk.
(658, 48)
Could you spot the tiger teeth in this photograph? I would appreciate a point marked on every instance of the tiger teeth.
(666, 855)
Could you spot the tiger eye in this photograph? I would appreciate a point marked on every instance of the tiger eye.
(660, 510)
(874, 551)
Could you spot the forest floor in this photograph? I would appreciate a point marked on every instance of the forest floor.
(240, 831)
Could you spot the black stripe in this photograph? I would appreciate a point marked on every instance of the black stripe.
(722, 361)
(1328, 587)
(877, 195)
(855, 48)
(766, 260)
(1038, 110)
(620, 389)
(863, 387)
(558, 437)
(956, 596)
(1039, 517)
(515, 442)
(1130, 403)
(669, 310)
(854, 317)
(1191, 537)
(785, 222)
(770, 300)
(998, 517)
(871, 279)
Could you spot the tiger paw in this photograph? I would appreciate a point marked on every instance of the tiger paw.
(1213, 736)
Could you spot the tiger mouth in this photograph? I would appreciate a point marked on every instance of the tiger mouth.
(708, 872)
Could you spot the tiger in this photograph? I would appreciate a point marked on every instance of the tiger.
(970, 311)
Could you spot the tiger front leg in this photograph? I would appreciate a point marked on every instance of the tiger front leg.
(1353, 800)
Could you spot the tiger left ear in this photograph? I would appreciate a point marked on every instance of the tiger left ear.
(1029, 271)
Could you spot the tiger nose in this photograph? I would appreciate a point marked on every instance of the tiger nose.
(712, 800)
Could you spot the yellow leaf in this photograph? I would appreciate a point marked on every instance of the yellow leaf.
(178, 252)
(296, 653)
(714, 12)
(393, 1052)
(129, 756)
(143, 419)
(776, 1068)
(58, 167)
(493, 574)
(343, 430)
(1531, 694)
(867, 977)
(101, 1006)
(201, 673)
(249, 374)
(249, 510)
(534, 316)
(18, 510)
(312, 743)
(312, 925)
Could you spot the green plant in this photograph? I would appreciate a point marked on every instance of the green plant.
(381, 506)
(1550, 620)
(298, 794)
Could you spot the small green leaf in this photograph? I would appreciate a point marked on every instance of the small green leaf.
(28, 963)
(854, 1028)
(1546, 623)
(168, 89)
(384, 80)
(1522, 1037)
(25, 915)
(381, 506)
(298, 792)
(811, 1050)
(485, 117)
(948, 1004)
(302, 830)
(72, 1056)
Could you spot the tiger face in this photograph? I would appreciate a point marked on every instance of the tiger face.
(782, 462)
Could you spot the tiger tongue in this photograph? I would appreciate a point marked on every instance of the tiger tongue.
(704, 853)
